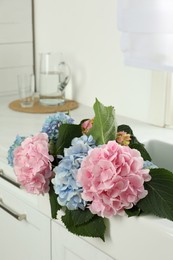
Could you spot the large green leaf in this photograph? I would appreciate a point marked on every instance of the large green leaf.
(140, 147)
(81, 216)
(95, 227)
(134, 143)
(53, 202)
(104, 126)
(66, 133)
(135, 211)
(159, 200)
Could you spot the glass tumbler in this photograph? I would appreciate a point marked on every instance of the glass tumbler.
(26, 89)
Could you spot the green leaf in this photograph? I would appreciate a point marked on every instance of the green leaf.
(81, 216)
(53, 202)
(93, 228)
(134, 143)
(159, 200)
(104, 126)
(135, 211)
(52, 148)
(140, 147)
(66, 133)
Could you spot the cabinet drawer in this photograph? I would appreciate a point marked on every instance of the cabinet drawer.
(7, 171)
(9, 184)
(67, 246)
(29, 237)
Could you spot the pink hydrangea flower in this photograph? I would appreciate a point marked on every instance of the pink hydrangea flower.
(112, 177)
(87, 125)
(123, 138)
(32, 164)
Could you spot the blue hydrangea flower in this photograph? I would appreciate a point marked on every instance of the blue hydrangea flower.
(149, 165)
(19, 139)
(53, 122)
(65, 184)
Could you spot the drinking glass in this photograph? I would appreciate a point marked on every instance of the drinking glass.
(26, 89)
(54, 77)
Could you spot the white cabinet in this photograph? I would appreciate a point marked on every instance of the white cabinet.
(26, 238)
(66, 246)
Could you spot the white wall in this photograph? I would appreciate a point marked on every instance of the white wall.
(16, 43)
(86, 31)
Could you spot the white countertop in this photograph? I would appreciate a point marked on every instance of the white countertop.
(25, 124)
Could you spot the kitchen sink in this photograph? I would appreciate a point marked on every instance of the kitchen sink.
(161, 153)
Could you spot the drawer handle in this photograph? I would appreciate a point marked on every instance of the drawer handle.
(3, 176)
(19, 217)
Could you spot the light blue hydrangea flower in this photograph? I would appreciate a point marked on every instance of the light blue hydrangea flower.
(19, 139)
(53, 122)
(65, 184)
(149, 165)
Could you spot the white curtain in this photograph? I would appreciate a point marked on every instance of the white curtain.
(147, 33)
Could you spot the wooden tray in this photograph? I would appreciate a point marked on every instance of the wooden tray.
(37, 108)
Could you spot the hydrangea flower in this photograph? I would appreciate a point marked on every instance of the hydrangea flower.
(17, 142)
(123, 138)
(87, 125)
(112, 177)
(65, 184)
(32, 164)
(149, 165)
(53, 122)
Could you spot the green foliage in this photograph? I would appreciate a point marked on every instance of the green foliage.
(134, 143)
(52, 148)
(53, 202)
(93, 227)
(66, 133)
(104, 126)
(140, 147)
(159, 200)
(81, 216)
(135, 211)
